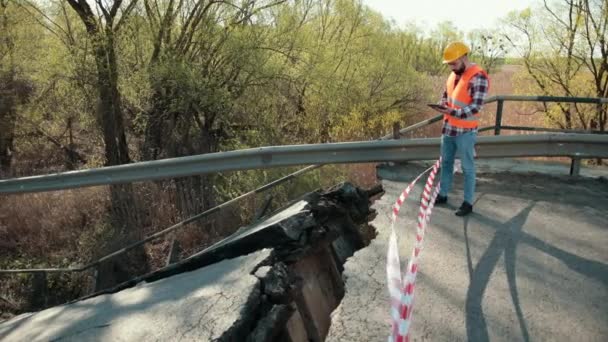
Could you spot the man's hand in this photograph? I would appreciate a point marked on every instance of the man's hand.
(441, 109)
(447, 111)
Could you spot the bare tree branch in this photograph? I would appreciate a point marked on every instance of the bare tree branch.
(125, 14)
(44, 24)
(86, 14)
(105, 12)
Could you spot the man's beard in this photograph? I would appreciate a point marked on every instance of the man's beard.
(460, 70)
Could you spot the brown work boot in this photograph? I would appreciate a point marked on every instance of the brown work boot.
(465, 209)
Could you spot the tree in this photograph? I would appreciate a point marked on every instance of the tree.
(349, 74)
(204, 55)
(594, 54)
(562, 45)
(15, 88)
(102, 31)
(488, 48)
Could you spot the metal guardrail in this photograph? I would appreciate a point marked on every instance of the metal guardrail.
(525, 98)
(257, 158)
(414, 127)
(551, 145)
(500, 99)
(541, 129)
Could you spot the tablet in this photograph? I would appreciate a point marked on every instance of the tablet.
(436, 106)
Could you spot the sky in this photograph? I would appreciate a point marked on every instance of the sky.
(466, 15)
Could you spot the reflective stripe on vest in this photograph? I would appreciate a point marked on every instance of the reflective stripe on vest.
(458, 97)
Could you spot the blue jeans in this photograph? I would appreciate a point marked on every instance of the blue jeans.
(464, 146)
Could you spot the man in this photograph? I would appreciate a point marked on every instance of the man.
(466, 89)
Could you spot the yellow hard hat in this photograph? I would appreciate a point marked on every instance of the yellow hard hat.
(454, 51)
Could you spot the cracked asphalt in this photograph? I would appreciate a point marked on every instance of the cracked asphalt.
(193, 306)
(531, 263)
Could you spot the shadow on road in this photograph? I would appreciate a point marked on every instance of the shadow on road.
(505, 240)
(508, 235)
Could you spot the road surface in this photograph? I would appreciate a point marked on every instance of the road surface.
(531, 263)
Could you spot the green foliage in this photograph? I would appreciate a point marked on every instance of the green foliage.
(345, 69)
(189, 91)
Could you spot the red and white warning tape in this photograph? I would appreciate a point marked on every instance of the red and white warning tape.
(401, 288)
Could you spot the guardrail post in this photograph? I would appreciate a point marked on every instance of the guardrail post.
(174, 252)
(498, 117)
(396, 129)
(264, 209)
(575, 167)
(93, 280)
(39, 291)
(97, 286)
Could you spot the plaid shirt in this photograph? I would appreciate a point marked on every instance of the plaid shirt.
(478, 89)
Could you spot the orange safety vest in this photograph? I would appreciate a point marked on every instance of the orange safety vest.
(458, 97)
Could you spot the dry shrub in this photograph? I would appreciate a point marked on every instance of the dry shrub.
(51, 229)
(156, 201)
(48, 226)
(362, 175)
